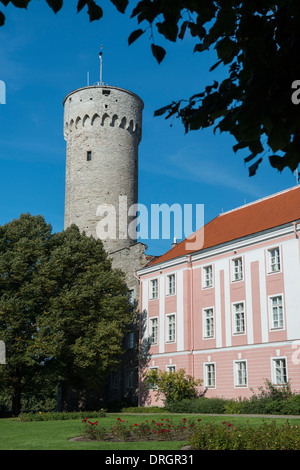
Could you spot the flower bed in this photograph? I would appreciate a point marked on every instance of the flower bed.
(162, 429)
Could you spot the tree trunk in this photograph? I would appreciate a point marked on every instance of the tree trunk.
(64, 386)
(16, 400)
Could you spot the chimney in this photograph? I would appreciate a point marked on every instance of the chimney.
(175, 242)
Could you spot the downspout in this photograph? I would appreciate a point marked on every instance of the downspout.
(140, 333)
(192, 329)
(296, 235)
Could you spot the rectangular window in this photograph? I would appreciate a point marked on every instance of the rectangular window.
(210, 375)
(130, 340)
(154, 330)
(240, 374)
(237, 269)
(171, 284)
(129, 378)
(171, 368)
(274, 260)
(171, 328)
(152, 385)
(276, 308)
(279, 371)
(208, 323)
(207, 277)
(239, 318)
(89, 155)
(115, 380)
(153, 289)
(131, 296)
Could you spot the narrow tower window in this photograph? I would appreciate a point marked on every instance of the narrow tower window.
(89, 155)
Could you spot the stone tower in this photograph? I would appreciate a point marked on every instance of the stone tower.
(102, 128)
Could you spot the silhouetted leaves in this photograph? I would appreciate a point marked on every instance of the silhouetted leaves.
(158, 52)
(257, 41)
(135, 35)
(55, 4)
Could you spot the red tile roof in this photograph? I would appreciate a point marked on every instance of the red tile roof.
(258, 216)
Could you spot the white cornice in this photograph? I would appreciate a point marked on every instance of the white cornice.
(221, 249)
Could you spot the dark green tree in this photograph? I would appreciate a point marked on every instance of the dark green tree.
(87, 314)
(256, 42)
(63, 310)
(25, 244)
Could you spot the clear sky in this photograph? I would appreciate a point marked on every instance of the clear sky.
(45, 56)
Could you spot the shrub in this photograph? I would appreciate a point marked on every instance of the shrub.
(159, 429)
(144, 409)
(57, 415)
(268, 436)
(198, 405)
(172, 386)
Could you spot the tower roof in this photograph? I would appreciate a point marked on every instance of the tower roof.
(107, 87)
(261, 215)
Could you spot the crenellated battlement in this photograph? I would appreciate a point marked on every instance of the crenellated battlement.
(102, 120)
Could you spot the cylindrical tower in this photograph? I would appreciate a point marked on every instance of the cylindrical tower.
(102, 128)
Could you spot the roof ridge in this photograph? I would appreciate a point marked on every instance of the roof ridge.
(260, 200)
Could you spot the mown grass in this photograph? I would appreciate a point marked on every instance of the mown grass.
(55, 435)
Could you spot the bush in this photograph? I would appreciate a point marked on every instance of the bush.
(198, 405)
(268, 436)
(57, 415)
(172, 386)
(144, 409)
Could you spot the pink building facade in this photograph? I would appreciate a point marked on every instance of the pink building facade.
(227, 310)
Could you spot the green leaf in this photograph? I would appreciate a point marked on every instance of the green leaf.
(161, 111)
(121, 5)
(277, 162)
(253, 168)
(94, 11)
(135, 35)
(81, 4)
(20, 3)
(55, 5)
(158, 52)
(279, 138)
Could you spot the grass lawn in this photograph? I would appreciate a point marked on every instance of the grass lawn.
(55, 435)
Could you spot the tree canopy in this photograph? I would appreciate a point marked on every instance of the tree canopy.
(63, 309)
(257, 44)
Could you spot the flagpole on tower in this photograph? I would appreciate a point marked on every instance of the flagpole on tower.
(100, 57)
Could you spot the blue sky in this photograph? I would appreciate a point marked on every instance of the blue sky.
(45, 56)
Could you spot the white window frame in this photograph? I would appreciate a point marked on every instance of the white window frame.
(131, 296)
(207, 277)
(274, 260)
(209, 382)
(171, 284)
(244, 381)
(152, 386)
(205, 323)
(274, 361)
(171, 333)
(235, 313)
(153, 327)
(129, 378)
(171, 368)
(130, 340)
(271, 310)
(153, 289)
(237, 270)
(115, 380)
